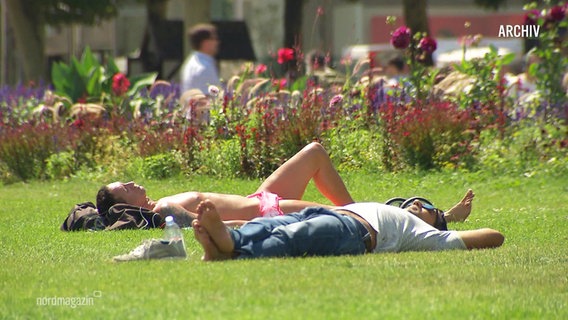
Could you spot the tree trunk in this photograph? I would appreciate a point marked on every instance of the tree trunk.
(29, 37)
(416, 18)
(292, 32)
(292, 23)
(149, 53)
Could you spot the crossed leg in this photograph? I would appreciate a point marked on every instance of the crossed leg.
(212, 233)
(291, 179)
(461, 210)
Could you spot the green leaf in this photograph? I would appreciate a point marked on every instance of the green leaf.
(140, 81)
(508, 58)
(60, 78)
(111, 68)
(93, 82)
(88, 60)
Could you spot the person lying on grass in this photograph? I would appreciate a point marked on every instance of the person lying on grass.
(352, 229)
(280, 193)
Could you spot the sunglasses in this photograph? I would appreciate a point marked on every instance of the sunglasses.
(403, 203)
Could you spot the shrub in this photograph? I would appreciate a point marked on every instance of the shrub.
(161, 166)
(60, 165)
(428, 136)
(24, 149)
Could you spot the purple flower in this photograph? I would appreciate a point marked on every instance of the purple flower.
(427, 44)
(557, 13)
(531, 17)
(401, 38)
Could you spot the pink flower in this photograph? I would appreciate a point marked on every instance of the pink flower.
(401, 38)
(120, 84)
(260, 69)
(427, 44)
(213, 90)
(337, 99)
(319, 11)
(285, 55)
(557, 13)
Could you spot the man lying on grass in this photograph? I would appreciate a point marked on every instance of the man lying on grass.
(280, 193)
(352, 229)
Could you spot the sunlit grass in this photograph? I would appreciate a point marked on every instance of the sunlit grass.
(526, 278)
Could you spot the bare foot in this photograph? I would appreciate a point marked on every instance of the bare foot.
(211, 252)
(208, 218)
(462, 209)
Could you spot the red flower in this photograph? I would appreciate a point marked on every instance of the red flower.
(285, 55)
(279, 83)
(557, 13)
(260, 69)
(78, 123)
(427, 45)
(120, 84)
(401, 38)
(83, 98)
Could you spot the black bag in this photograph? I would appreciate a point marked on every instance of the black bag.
(125, 216)
(83, 216)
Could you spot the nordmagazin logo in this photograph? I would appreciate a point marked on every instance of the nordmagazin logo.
(518, 31)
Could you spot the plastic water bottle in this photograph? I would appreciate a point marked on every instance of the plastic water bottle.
(172, 231)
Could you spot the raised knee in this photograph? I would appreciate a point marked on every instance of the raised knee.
(315, 147)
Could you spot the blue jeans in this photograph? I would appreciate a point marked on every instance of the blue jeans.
(314, 231)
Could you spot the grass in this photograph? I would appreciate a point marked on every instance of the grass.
(526, 278)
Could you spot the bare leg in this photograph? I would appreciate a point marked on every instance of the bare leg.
(312, 162)
(211, 252)
(462, 209)
(209, 219)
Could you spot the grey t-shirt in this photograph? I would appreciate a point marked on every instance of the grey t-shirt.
(399, 230)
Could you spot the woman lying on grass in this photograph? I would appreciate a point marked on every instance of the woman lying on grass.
(280, 193)
(353, 229)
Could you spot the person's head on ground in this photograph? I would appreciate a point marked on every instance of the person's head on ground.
(120, 192)
(203, 37)
(428, 213)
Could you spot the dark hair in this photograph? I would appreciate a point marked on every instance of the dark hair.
(317, 59)
(397, 62)
(105, 200)
(201, 32)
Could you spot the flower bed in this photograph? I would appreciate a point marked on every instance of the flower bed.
(95, 120)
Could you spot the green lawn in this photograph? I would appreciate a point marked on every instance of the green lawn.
(526, 278)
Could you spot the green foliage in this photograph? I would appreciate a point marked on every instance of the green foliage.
(220, 159)
(83, 78)
(161, 166)
(89, 80)
(25, 149)
(57, 12)
(60, 165)
(552, 53)
(486, 88)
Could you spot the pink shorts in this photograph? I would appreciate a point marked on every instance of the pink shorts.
(268, 203)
